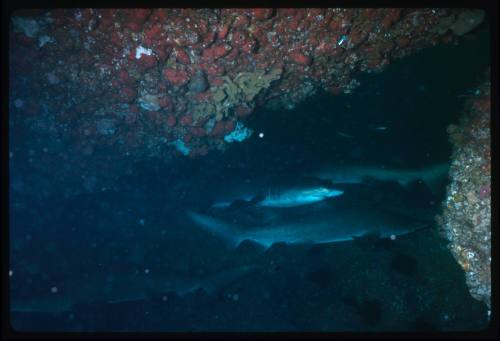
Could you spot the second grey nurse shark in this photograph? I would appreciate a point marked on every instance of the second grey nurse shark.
(338, 223)
(433, 176)
(319, 185)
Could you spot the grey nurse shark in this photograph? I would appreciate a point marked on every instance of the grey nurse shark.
(286, 198)
(125, 287)
(274, 193)
(332, 223)
(433, 176)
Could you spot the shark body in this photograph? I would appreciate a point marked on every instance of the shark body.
(270, 191)
(325, 225)
(130, 287)
(292, 197)
(433, 176)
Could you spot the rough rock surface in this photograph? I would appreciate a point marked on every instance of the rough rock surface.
(466, 218)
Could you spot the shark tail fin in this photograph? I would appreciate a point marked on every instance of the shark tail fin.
(217, 227)
(436, 176)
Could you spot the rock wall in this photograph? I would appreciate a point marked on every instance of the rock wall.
(99, 89)
(466, 218)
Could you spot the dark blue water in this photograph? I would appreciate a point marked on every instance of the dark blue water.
(140, 227)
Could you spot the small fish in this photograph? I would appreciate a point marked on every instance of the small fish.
(342, 40)
(380, 128)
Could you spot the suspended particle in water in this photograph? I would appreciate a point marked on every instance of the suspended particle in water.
(261, 135)
(393, 237)
(10, 273)
(54, 290)
(18, 103)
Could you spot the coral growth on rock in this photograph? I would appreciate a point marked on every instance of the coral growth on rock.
(165, 75)
(466, 218)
